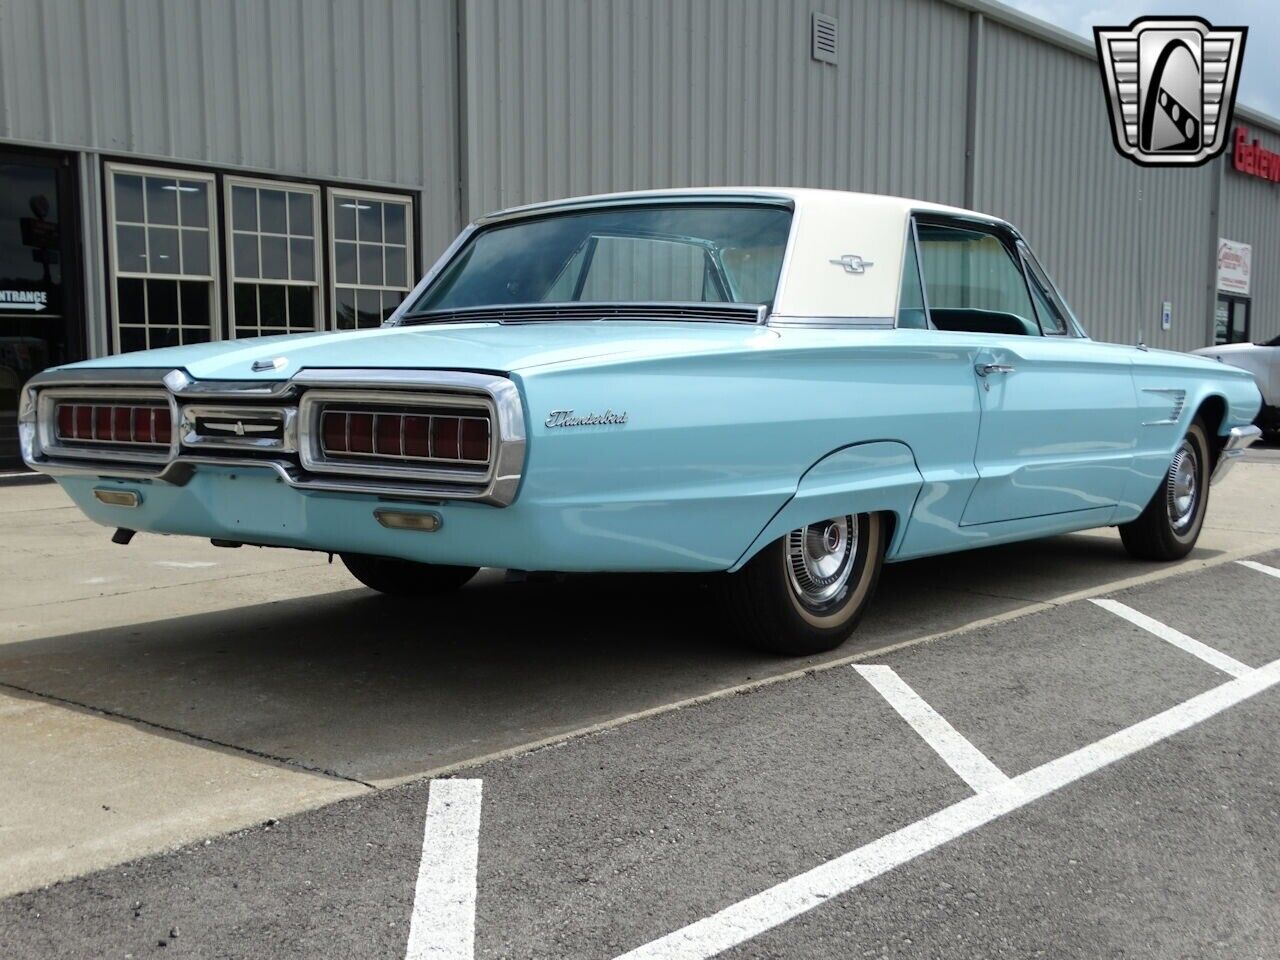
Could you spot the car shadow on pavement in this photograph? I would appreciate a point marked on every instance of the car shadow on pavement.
(376, 688)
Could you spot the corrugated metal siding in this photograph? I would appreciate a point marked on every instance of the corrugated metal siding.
(566, 97)
(362, 92)
(582, 96)
(1251, 214)
(1117, 239)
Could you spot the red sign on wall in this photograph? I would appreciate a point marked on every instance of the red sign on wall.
(1253, 158)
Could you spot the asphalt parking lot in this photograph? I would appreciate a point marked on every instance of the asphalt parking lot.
(217, 753)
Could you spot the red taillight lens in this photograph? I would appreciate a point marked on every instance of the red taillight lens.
(388, 434)
(416, 432)
(360, 430)
(113, 423)
(66, 421)
(121, 424)
(394, 435)
(164, 426)
(142, 432)
(444, 438)
(333, 432)
(475, 439)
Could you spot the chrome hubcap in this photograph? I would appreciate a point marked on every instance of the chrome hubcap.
(820, 558)
(1182, 493)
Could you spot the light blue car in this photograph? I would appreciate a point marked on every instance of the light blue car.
(788, 387)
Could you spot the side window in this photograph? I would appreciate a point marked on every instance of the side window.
(973, 282)
(911, 312)
(1053, 316)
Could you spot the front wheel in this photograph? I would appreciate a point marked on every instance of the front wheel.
(1170, 525)
(404, 578)
(805, 592)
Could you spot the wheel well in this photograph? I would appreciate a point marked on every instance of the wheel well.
(890, 526)
(1212, 411)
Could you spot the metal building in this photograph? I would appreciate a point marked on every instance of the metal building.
(173, 171)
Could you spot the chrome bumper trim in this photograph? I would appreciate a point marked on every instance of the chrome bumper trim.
(498, 488)
(1239, 439)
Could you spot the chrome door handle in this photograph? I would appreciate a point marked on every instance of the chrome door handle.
(986, 369)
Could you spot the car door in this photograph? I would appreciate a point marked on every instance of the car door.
(1056, 433)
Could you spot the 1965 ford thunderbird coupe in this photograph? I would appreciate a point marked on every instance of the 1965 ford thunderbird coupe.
(788, 387)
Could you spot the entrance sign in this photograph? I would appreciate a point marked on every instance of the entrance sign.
(1233, 266)
(24, 300)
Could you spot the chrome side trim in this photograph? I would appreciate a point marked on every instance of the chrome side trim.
(1177, 400)
(1239, 439)
(833, 323)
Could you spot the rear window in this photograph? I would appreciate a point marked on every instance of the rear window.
(681, 253)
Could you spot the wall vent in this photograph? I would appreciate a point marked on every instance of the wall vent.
(823, 43)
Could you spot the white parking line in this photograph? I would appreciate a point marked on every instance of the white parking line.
(1208, 654)
(753, 916)
(443, 926)
(973, 766)
(1260, 567)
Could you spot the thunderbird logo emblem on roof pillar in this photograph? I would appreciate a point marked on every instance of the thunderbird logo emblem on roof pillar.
(1171, 86)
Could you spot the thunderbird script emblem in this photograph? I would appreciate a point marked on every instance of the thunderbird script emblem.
(1171, 87)
(567, 418)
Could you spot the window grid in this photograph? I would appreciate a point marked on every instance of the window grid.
(146, 295)
(371, 256)
(265, 305)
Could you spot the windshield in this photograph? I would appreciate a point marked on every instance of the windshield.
(681, 253)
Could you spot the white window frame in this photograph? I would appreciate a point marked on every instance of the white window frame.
(410, 225)
(318, 225)
(115, 273)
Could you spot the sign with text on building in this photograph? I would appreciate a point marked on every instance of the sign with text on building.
(23, 300)
(1234, 261)
(1252, 158)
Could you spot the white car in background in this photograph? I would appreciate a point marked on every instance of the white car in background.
(1263, 361)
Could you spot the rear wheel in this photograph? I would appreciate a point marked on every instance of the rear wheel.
(1170, 525)
(805, 592)
(404, 578)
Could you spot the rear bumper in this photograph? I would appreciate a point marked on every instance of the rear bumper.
(254, 505)
(1238, 440)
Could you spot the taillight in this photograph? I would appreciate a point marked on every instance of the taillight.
(143, 424)
(397, 436)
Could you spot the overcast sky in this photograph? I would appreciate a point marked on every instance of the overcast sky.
(1260, 75)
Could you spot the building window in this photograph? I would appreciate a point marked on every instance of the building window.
(372, 256)
(273, 257)
(163, 257)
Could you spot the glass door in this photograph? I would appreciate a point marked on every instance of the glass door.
(1231, 319)
(39, 280)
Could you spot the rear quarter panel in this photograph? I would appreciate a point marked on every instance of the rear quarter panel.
(715, 446)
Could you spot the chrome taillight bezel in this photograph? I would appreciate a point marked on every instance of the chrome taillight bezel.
(314, 458)
(50, 444)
